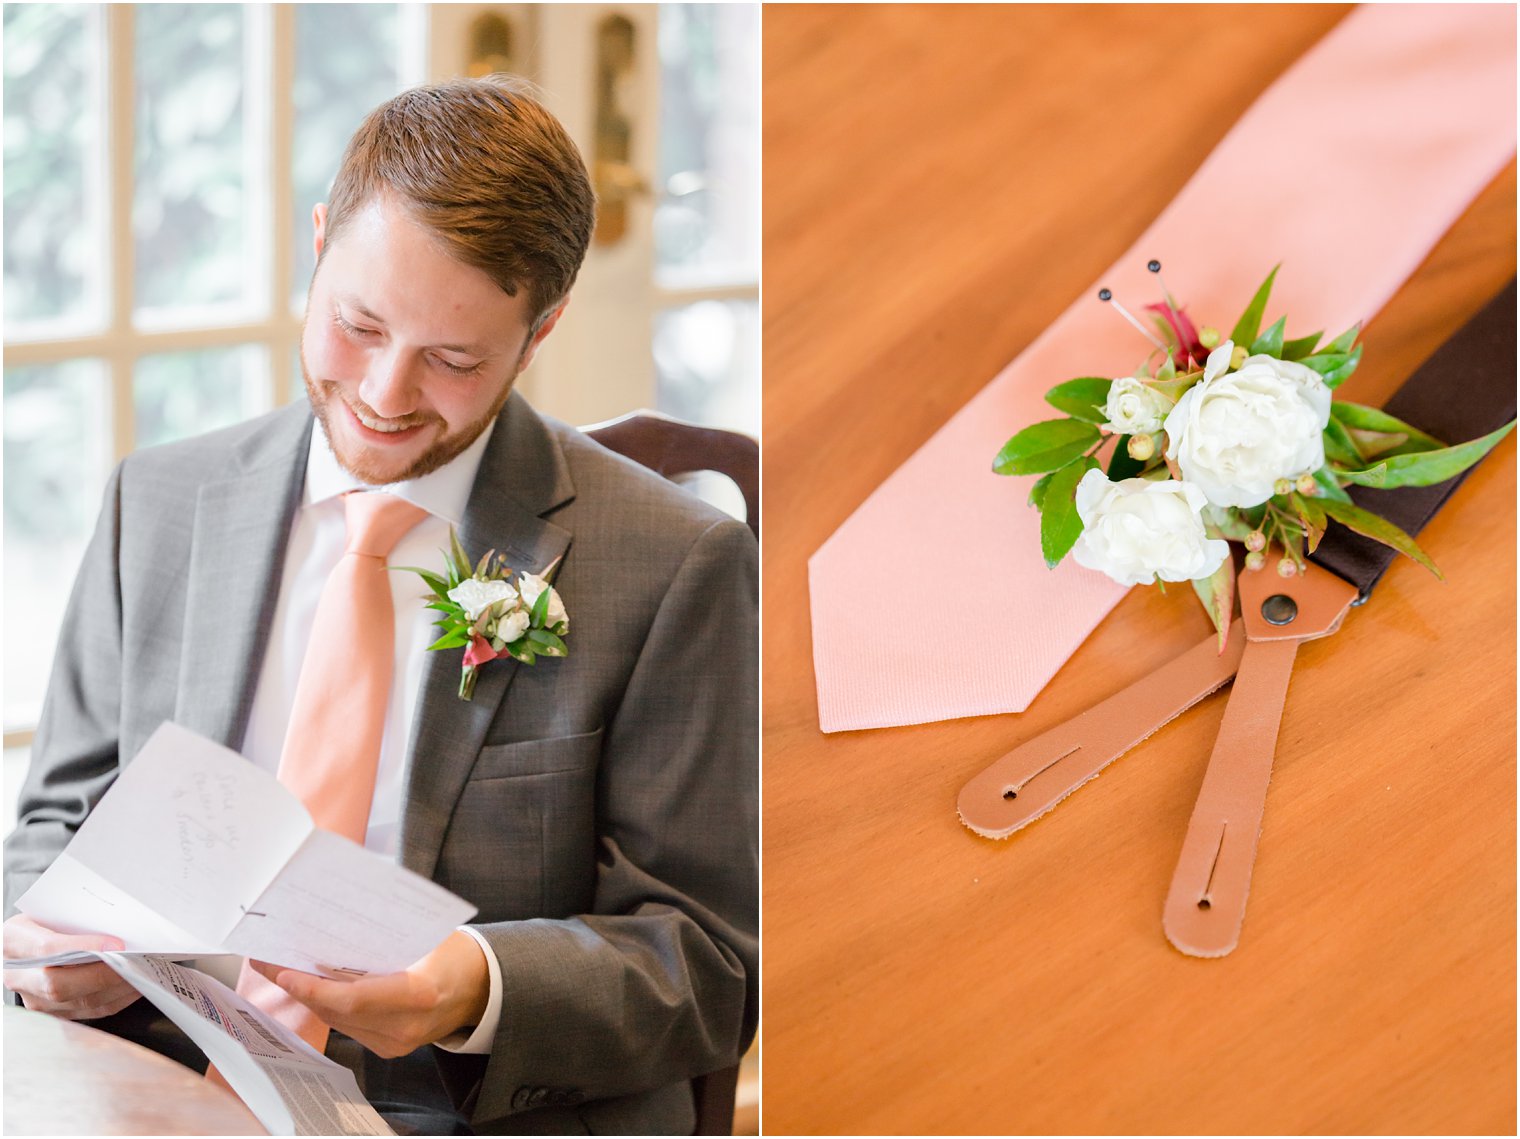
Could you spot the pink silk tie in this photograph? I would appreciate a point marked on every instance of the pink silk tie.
(332, 747)
(1408, 110)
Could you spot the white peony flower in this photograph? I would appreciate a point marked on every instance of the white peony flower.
(532, 585)
(474, 597)
(1234, 434)
(1140, 529)
(512, 625)
(1134, 407)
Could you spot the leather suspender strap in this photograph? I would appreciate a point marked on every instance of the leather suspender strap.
(1465, 390)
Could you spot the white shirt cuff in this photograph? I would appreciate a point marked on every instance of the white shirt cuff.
(479, 1042)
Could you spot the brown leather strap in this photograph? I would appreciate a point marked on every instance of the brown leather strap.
(1464, 391)
(1035, 776)
(1206, 904)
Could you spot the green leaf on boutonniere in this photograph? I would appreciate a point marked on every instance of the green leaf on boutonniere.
(1340, 447)
(1083, 398)
(1249, 323)
(1166, 373)
(1334, 367)
(453, 639)
(1037, 491)
(1359, 418)
(1303, 346)
(432, 580)
(1175, 389)
(1060, 524)
(1380, 444)
(1378, 529)
(484, 563)
(1121, 465)
(1046, 446)
(540, 610)
(1426, 468)
(1329, 487)
(1270, 342)
(1312, 515)
(549, 644)
(1217, 592)
(1229, 523)
(458, 560)
(1344, 342)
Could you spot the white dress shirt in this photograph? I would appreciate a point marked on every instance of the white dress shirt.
(317, 540)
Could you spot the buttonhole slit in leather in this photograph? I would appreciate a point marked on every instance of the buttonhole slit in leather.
(1203, 902)
(1012, 791)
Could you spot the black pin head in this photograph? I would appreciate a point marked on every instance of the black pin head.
(1153, 266)
(1105, 295)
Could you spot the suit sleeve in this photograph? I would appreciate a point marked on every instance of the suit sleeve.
(75, 753)
(660, 982)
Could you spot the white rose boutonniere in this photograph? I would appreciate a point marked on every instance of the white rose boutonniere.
(483, 613)
(1139, 530)
(1134, 407)
(1234, 435)
(474, 596)
(1246, 426)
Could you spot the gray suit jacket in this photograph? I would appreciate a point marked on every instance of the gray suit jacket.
(600, 809)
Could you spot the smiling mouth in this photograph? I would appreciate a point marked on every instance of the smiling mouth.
(392, 429)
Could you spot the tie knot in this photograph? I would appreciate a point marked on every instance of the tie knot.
(376, 522)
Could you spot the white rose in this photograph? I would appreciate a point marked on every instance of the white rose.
(532, 585)
(1235, 434)
(474, 597)
(1140, 529)
(512, 626)
(1134, 408)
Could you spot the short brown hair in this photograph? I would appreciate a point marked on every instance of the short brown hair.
(488, 170)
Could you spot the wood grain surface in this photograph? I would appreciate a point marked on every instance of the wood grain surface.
(940, 183)
(66, 1078)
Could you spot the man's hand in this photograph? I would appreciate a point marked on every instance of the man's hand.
(74, 992)
(396, 1014)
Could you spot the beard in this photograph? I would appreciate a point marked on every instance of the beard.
(368, 467)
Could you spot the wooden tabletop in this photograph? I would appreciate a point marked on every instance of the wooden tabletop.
(939, 185)
(66, 1078)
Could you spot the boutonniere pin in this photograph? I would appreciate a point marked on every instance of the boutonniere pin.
(491, 611)
(1150, 476)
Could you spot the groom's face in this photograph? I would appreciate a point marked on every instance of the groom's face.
(408, 354)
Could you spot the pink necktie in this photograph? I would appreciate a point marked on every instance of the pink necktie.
(1407, 111)
(332, 746)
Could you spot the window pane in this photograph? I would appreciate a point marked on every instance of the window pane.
(707, 359)
(707, 220)
(54, 238)
(57, 447)
(347, 62)
(178, 394)
(193, 215)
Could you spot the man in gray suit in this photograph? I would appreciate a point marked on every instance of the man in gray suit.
(599, 809)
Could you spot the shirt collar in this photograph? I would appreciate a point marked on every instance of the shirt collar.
(443, 493)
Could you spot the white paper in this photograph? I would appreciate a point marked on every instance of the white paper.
(347, 912)
(290, 1087)
(194, 851)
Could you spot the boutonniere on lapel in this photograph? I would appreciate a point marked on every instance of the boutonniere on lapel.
(489, 614)
(1218, 440)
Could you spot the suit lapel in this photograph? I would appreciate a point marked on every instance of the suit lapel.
(242, 526)
(522, 476)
